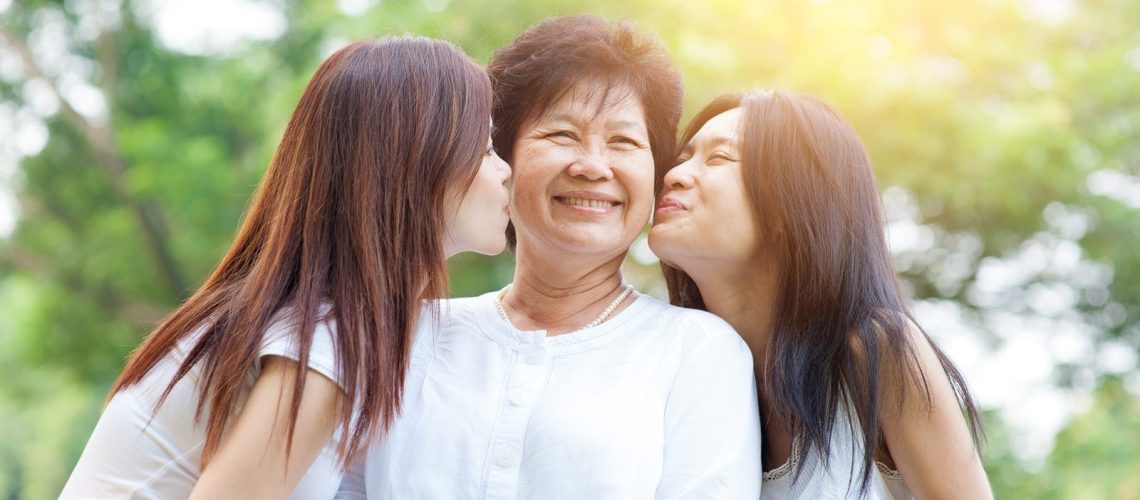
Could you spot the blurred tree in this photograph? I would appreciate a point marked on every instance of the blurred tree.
(1094, 457)
(1003, 129)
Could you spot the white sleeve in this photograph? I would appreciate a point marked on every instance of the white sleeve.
(352, 487)
(280, 340)
(712, 422)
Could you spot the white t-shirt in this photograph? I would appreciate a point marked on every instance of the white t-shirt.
(657, 402)
(132, 455)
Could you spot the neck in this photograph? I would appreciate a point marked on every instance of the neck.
(743, 295)
(561, 295)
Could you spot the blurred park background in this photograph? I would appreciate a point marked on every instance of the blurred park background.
(1005, 135)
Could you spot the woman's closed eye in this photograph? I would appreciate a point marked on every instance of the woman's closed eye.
(562, 136)
(718, 157)
(626, 141)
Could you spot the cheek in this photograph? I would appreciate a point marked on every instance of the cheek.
(543, 156)
(488, 197)
(639, 183)
(526, 197)
(728, 222)
(523, 182)
(531, 173)
(478, 192)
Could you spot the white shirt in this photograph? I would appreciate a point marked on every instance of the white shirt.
(839, 476)
(131, 455)
(657, 402)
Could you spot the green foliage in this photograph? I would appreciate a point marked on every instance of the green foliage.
(986, 114)
(1093, 458)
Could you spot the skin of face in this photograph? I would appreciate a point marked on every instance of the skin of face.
(478, 221)
(583, 175)
(704, 213)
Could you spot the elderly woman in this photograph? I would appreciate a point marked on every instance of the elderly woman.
(567, 383)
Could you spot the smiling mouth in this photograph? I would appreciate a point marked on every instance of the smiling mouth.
(585, 202)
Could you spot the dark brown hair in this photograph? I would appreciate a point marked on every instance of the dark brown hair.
(350, 214)
(547, 60)
(840, 318)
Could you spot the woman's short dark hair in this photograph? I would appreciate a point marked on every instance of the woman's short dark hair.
(547, 60)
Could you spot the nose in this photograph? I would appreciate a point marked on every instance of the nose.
(592, 166)
(504, 169)
(680, 176)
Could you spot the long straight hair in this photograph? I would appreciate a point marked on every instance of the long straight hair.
(840, 318)
(349, 215)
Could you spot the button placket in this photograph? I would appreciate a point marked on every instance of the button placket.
(504, 457)
(517, 396)
(523, 385)
(536, 357)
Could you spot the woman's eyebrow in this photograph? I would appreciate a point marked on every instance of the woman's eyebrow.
(623, 124)
(712, 141)
(562, 118)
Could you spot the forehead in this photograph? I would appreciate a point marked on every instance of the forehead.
(597, 102)
(721, 128)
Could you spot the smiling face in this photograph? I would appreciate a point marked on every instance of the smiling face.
(704, 212)
(583, 174)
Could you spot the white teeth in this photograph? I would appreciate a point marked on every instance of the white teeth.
(583, 202)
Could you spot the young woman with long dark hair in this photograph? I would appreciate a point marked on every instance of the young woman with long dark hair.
(292, 355)
(771, 219)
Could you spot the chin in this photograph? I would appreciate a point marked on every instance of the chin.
(600, 244)
(495, 248)
(659, 237)
(665, 247)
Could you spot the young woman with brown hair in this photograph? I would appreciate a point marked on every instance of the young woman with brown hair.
(771, 219)
(292, 355)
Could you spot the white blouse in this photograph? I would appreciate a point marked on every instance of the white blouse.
(837, 477)
(657, 402)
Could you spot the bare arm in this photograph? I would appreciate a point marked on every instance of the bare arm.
(931, 446)
(250, 461)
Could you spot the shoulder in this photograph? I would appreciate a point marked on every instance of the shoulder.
(697, 332)
(709, 365)
(687, 322)
(899, 344)
(281, 339)
(283, 327)
(904, 356)
(476, 302)
(461, 310)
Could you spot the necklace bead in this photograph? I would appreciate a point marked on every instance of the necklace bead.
(626, 291)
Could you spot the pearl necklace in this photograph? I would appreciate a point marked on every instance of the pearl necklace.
(626, 290)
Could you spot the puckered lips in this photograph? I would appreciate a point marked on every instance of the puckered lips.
(588, 202)
(668, 206)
